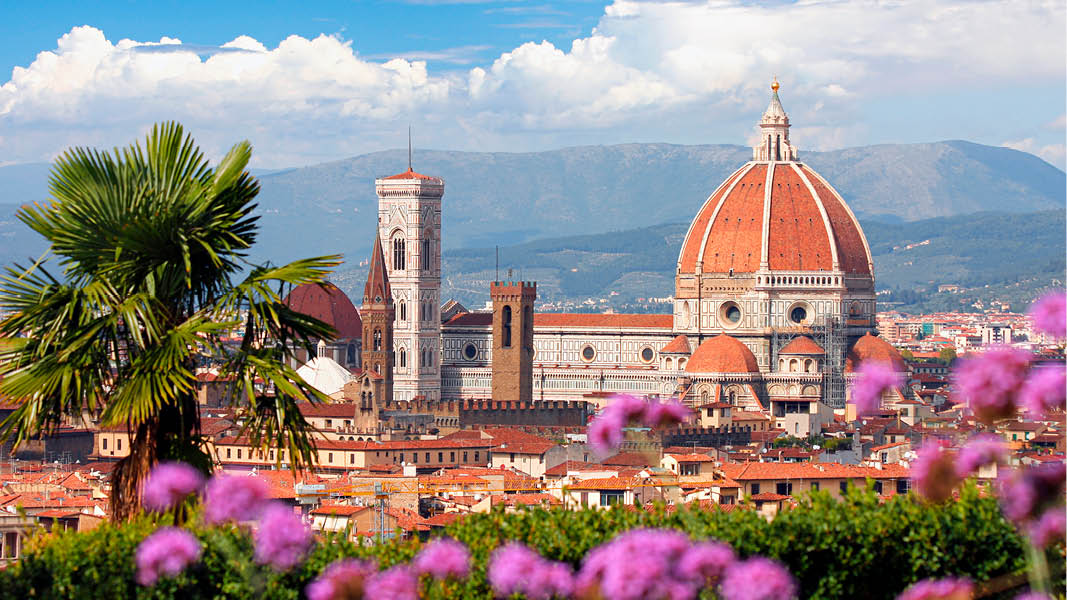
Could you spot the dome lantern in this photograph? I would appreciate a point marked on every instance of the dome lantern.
(774, 132)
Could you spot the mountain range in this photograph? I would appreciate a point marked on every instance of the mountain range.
(514, 198)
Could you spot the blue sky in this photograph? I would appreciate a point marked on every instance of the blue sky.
(321, 81)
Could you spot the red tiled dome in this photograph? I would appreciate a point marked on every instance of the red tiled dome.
(808, 226)
(329, 304)
(679, 345)
(871, 348)
(802, 345)
(722, 354)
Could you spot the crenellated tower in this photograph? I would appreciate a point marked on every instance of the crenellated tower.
(513, 349)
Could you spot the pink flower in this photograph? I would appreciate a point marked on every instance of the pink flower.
(516, 569)
(934, 472)
(1025, 493)
(397, 583)
(939, 589)
(981, 450)
(165, 553)
(638, 564)
(443, 558)
(282, 538)
(990, 381)
(872, 380)
(1050, 314)
(605, 432)
(169, 484)
(705, 562)
(629, 407)
(1049, 529)
(1044, 390)
(758, 578)
(666, 414)
(234, 498)
(342, 580)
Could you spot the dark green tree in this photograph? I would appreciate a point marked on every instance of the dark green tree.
(151, 245)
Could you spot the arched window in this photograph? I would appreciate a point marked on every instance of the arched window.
(403, 312)
(403, 357)
(505, 319)
(378, 368)
(377, 340)
(398, 254)
(733, 396)
(426, 257)
(350, 357)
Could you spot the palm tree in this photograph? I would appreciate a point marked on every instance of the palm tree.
(152, 253)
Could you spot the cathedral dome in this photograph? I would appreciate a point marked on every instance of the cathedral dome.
(328, 304)
(722, 354)
(775, 214)
(874, 349)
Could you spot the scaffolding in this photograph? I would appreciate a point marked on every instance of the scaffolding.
(828, 332)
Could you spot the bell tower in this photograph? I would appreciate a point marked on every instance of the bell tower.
(409, 225)
(378, 314)
(513, 349)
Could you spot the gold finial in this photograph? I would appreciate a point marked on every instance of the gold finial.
(774, 84)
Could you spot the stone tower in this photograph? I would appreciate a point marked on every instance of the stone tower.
(378, 314)
(513, 303)
(409, 225)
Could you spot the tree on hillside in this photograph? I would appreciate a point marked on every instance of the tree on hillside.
(151, 245)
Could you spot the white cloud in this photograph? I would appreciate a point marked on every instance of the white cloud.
(665, 71)
(1053, 153)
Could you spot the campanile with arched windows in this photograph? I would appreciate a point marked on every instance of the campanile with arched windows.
(409, 224)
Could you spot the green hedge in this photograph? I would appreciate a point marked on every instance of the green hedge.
(856, 548)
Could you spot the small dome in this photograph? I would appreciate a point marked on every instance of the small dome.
(679, 345)
(328, 304)
(871, 348)
(802, 345)
(324, 374)
(722, 354)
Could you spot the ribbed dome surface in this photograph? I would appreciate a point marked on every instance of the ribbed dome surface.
(874, 349)
(329, 304)
(802, 224)
(722, 354)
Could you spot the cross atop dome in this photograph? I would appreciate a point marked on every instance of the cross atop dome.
(774, 132)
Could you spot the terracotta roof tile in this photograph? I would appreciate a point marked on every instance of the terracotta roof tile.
(802, 345)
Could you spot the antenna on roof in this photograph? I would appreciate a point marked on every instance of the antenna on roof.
(409, 148)
(498, 263)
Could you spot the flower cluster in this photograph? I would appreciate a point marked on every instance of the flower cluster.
(169, 484)
(165, 553)
(516, 569)
(343, 580)
(658, 564)
(981, 450)
(934, 472)
(939, 589)
(605, 433)
(990, 381)
(443, 558)
(872, 380)
(234, 498)
(1049, 315)
(282, 538)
